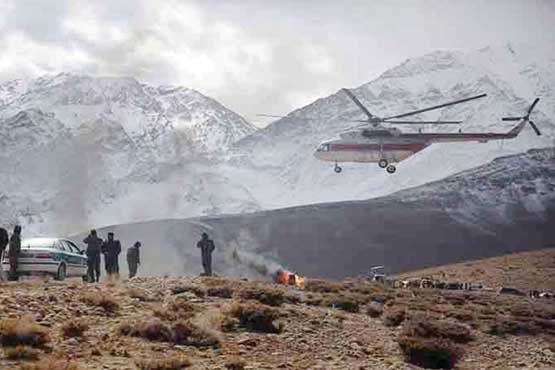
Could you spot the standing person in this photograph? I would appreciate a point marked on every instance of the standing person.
(94, 247)
(133, 259)
(111, 249)
(4, 240)
(206, 246)
(13, 252)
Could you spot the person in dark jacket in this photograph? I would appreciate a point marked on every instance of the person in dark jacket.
(13, 252)
(111, 249)
(206, 246)
(133, 259)
(94, 248)
(4, 240)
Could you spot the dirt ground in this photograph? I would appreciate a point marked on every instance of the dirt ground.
(205, 323)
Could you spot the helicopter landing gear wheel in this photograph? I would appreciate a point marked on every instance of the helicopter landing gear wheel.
(391, 169)
(382, 163)
(337, 169)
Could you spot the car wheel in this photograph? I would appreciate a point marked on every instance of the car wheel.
(61, 274)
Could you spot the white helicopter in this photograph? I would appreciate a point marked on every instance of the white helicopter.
(385, 146)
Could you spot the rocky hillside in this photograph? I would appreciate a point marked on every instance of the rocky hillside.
(505, 206)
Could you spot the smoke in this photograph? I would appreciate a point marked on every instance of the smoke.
(169, 249)
(243, 254)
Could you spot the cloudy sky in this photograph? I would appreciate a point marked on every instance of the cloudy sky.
(254, 56)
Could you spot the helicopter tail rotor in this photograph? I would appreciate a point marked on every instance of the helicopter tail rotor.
(526, 118)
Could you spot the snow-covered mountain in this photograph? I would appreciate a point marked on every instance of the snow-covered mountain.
(505, 206)
(151, 116)
(73, 144)
(79, 151)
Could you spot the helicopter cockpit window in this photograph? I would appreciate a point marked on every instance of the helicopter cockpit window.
(324, 148)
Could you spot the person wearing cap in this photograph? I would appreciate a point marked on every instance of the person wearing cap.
(133, 259)
(206, 246)
(94, 248)
(111, 249)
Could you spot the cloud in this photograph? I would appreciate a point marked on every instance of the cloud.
(254, 57)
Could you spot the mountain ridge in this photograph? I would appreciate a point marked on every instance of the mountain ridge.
(164, 172)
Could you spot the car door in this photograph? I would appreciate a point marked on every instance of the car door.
(78, 259)
(64, 255)
(67, 257)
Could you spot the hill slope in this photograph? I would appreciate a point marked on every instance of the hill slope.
(504, 206)
(525, 271)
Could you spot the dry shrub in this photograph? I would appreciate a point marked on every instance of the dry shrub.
(461, 315)
(539, 310)
(313, 299)
(154, 330)
(380, 298)
(103, 300)
(189, 288)
(51, 364)
(424, 326)
(429, 353)
(519, 325)
(74, 328)
(24, 331)
(140, 294)
(177, 309)
(256, 317)
(22, 353)
(172, 363)
(374, 309)
(431, 343)
(367, 288)
(186, 333)
(394, 317)
(220, 291)
(269, 296)
(322, 286)
(455, 299)
(181, 332)
(349, 303)
(502, 325)
(235, 364)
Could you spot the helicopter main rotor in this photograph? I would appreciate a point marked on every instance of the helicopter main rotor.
(375, 120)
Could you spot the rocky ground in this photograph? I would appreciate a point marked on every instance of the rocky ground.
(216, 323)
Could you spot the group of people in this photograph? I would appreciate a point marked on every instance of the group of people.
(111, 249)
(14, 243)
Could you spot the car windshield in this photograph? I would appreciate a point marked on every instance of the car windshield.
(38, 243)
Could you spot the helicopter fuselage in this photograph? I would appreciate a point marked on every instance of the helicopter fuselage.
(372, 146)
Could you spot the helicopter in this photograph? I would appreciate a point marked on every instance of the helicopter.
(375, 143)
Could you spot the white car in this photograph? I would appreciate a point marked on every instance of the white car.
(60, 258)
